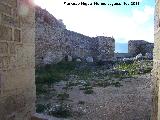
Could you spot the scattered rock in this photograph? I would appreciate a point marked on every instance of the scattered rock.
(78, 60)
(89, 59)
(139, 56)
(68, 58)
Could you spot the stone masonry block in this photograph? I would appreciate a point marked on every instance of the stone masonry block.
(5, 9)
(5, 33)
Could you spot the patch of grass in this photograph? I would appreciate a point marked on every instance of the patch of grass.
(63, 96)
(71, 83)
(40, 108)
(134, 68)
(83, 73)
(81, 102)
(116, 84)
(102, 83)
(50, 74)
(131, 68)
(40, 89)
(61, 111)
(88, 91)
(145, 70)
(85, 87)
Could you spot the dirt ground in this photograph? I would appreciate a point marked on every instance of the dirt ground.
(132, 101)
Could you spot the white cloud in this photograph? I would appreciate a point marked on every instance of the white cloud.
(92, 21)
(142, 16)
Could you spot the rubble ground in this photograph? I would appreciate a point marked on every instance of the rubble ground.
(95, 91)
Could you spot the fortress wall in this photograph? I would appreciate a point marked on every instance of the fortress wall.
(54, 42)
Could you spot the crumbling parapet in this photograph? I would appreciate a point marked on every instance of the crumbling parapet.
(17, 61)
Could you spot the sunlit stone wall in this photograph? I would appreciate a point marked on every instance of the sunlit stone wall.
(17, 51)
(156, 67)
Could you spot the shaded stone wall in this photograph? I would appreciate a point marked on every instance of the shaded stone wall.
(54, 42)
(156, 65)
(122, 55)
(17, 51)
(136, 47)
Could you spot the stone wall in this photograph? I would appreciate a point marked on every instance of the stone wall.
(17, 37)
(54, 42)
(156, 65)
(136, 47)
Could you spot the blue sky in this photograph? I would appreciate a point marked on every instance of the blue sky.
(122, 22)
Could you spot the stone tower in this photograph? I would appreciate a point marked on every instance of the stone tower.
(17, 48)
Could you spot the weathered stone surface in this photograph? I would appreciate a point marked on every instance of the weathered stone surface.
(52, 36)
(156, 65)
(5, 9)
(17, 34)
(10, 20)
(52, 57)
(5, 33)
(17, 88)
(4, 48)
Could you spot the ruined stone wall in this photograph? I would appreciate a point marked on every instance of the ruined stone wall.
(156, 65)
(54, 42)
(17, 37)
(77, 45)
(136, 47)
(106, 48)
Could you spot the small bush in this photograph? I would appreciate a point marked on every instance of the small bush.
(116, 84)
(70, 84)
(85, 87)
(88, 91)
(81, 102)
(50, 74)
(102, 83)
(61, 111)
(62, 96)
(40, 89)
(40, 108)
